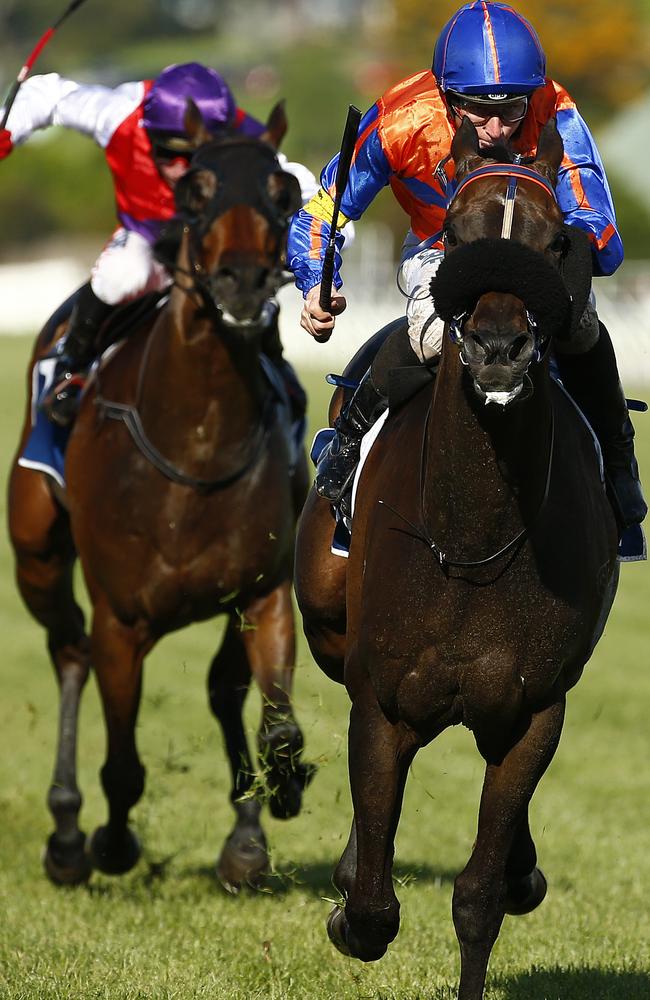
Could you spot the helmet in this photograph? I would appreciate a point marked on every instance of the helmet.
(166, 102)
(489, 48)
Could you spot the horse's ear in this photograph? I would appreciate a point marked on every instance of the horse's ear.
(285, 192)
(193, 191)
(276, 126)
(194, 125)
(465, 148)
(550, 151)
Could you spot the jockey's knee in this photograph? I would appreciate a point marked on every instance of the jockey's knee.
(125, 269)
(586, 334)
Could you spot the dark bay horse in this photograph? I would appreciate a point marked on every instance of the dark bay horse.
(482, 566)
(181, 505)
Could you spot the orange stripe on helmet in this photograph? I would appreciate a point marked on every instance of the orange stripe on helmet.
(493, 45)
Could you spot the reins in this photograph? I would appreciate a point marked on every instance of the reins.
(201, 293)
(422, 534)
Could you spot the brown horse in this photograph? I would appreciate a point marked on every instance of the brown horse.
(482, 565)
(181, 505)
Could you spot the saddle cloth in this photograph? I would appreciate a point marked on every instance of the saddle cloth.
(46, 445)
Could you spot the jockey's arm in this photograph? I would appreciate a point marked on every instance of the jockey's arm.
(50, 99)
(583, 192)
(310, 227)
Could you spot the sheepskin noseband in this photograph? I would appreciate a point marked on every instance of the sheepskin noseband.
(497, 265)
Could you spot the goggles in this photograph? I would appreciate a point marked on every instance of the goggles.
(168, 147)
(509, 110)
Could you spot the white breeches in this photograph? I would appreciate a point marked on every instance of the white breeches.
(425, 328)
(126, 268)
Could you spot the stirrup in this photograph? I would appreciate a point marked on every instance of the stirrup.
(62, 401)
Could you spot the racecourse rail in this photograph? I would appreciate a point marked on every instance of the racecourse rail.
(31, 290)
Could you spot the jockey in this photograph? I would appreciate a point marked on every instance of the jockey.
(488, 66)
(140, 126)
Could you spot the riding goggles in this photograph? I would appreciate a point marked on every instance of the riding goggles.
(479, 111)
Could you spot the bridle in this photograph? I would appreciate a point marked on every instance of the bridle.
(202, 282)
(228, 194)
(514, 172)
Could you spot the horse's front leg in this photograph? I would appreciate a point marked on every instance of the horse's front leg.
(483, 891)
(379, 755)
(268, 634)
(118, 654)
(45, 556)
(244, 855)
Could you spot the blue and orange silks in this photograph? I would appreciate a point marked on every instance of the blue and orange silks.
(405, 141)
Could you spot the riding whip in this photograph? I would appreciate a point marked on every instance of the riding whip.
(342, 172)
(33, 56)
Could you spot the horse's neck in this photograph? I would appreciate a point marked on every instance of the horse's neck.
(485, 466)
(194, 387)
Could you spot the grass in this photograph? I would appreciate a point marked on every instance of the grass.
(166, 931)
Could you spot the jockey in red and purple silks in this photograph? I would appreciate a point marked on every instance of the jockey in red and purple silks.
(488, 66)
(141, 128)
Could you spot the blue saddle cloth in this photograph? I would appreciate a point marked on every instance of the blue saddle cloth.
(46, 445)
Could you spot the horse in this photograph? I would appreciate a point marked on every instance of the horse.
(181, 505)
(482, 565)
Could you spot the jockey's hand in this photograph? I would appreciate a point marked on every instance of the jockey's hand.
(318, 323)
(6, 145)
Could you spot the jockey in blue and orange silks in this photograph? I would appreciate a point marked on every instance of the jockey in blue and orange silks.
(141, 128)
(488, 66)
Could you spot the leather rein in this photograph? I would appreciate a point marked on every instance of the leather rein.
(201, 285)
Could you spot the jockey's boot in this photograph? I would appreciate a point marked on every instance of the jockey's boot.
(272, 347)
(61, 402)
(592, 379)
(338, 463)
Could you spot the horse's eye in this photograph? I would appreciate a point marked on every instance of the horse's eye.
(558, 244)
(450, 237)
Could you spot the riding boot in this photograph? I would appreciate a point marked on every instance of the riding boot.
(338, 463)
(272, 347)
(592, 380)
(61, 402)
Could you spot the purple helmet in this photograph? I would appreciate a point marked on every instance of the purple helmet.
(489, 48)
(166, 102)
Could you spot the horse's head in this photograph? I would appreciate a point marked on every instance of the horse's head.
(236, 202)
(499, 287)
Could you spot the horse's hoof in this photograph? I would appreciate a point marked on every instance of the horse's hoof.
(67, 864)
(337, 927)
(286, 787)
(526, 894)
(114, 858)
(243, 861)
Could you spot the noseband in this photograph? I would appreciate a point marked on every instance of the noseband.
(514, 172)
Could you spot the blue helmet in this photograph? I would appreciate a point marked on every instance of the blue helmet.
(166, 102)
(489, 48)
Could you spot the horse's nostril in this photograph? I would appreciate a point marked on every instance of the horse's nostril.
(477, 340)
(263, 278)
(517, 347)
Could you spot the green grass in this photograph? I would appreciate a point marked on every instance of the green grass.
(166, 930)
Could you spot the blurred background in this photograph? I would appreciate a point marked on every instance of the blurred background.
(56, 200)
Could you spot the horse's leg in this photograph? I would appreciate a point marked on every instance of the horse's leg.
(118, 654)
(481, 890)
(269, 637)
(40, 535)
(244, 855)
(379, 755)
(320, 587)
